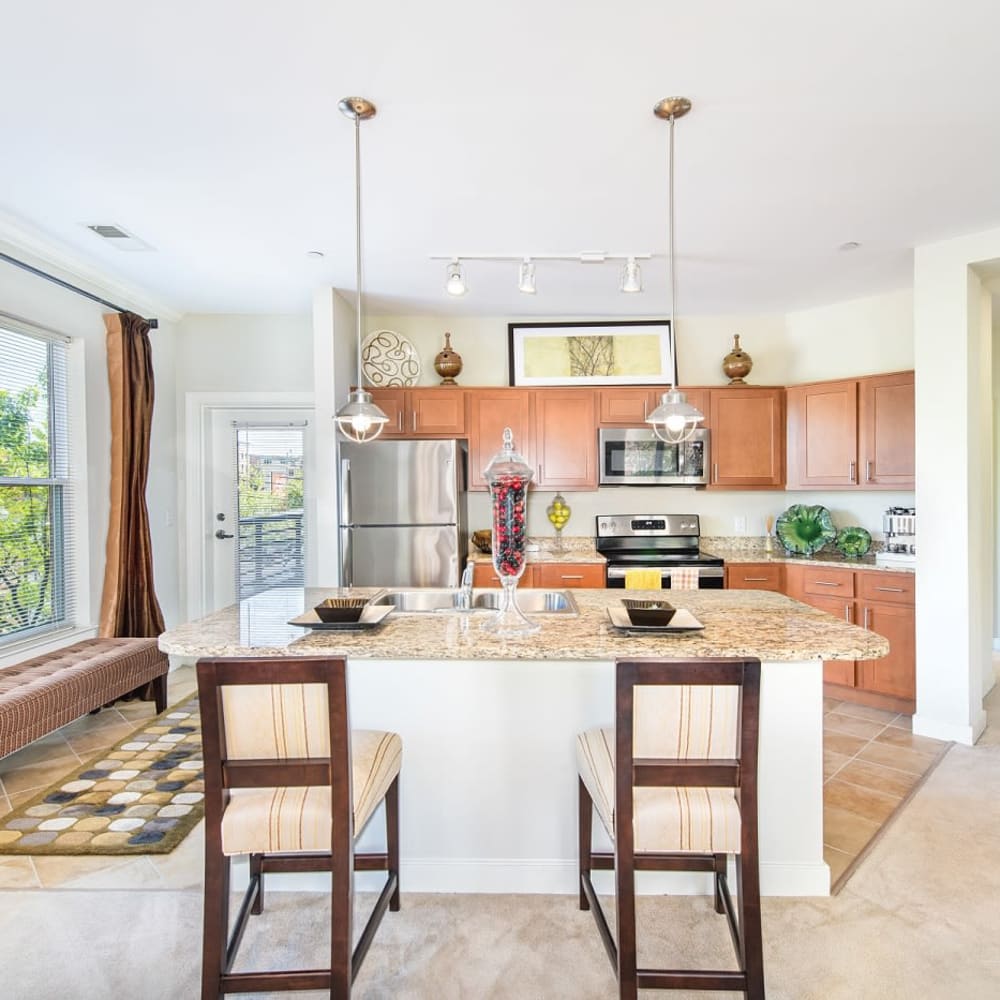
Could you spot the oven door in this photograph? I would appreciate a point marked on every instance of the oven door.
(635, 456)
(709, 577)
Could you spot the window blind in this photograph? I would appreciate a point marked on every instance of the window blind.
(37, 580)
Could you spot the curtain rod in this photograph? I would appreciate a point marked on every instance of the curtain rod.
(153, 323)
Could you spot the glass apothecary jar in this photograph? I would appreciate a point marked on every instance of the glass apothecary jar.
(508, 476)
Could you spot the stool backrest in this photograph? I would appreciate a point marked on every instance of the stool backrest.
(273, 722)
(686, 723)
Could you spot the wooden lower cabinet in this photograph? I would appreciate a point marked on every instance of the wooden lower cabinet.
(880, 602)
(550, 576)
(755, 576)
(569, 575)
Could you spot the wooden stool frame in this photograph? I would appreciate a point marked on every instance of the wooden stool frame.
(221, 775)
(632, 772)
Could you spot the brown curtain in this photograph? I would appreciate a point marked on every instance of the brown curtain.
(129, 606)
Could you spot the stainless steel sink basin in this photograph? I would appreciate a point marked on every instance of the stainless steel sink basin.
(548, 602)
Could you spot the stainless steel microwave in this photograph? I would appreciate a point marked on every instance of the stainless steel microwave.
(635, 456)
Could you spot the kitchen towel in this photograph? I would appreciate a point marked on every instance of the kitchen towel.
(643, 579)
(683, 578)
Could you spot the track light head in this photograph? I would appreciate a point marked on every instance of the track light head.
(526, 277)
(631, 280)
(455, 281)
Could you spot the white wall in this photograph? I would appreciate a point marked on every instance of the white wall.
(39, 301)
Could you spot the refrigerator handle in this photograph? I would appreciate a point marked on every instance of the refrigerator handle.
(345, 492)
(346, 558)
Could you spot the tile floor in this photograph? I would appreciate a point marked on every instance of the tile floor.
(872, 762)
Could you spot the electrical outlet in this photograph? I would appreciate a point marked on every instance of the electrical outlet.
(740, 525)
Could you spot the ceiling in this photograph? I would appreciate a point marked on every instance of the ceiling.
(211, 132)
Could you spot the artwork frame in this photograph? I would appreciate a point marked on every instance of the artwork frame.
(568, 353)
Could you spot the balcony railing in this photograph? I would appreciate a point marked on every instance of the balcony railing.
(271, 552)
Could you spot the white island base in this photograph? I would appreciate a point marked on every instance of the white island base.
(488, 788)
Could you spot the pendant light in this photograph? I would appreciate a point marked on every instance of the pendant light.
(359, 419)
(675, 419)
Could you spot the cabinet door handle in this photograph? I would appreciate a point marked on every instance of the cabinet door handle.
(755, 579)
(574, 576)
(868, 471)
(715, 472)
(826, 583)
(866, 617)
(645, 409)
(399, 421)
(847, 613)
(854, 468)
(539, 471)
(892, 590)
(414, 421)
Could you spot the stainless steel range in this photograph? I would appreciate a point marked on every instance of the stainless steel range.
(655, 541)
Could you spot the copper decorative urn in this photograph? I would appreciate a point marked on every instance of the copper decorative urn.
(447, 363)
(737, 363)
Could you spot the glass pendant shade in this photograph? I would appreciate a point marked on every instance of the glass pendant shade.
(675, 419)
(359, 419)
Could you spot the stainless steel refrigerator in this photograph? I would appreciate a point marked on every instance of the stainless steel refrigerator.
(403, 513)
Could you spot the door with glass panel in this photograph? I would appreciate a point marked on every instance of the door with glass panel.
(257, 520)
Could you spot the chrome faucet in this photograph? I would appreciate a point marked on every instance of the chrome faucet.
(464, 598)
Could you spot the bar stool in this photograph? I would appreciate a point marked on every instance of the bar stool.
(287, 782)
(681, 765)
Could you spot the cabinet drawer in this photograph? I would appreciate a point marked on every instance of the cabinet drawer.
(754, 576)
(569, 575)
(828, 582)
(484, 575)
(888, 588)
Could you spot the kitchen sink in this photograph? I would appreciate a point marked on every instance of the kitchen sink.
(548, 602)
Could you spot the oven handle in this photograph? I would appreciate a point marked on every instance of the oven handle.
(618, 572)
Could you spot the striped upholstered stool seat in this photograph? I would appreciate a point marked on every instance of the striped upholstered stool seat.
(669, 820)
(268, 820)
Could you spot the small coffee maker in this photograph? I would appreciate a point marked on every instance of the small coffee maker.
(899, 524)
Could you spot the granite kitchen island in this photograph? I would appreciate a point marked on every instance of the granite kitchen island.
(488, 787)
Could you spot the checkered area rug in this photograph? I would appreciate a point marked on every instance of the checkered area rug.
(143, 797)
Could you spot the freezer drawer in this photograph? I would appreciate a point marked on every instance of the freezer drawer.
(404, 556)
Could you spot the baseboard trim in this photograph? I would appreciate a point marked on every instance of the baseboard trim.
(949, 731)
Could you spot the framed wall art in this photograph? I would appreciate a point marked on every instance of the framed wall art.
(629, 352)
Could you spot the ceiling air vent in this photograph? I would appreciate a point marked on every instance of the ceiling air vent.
(119, 238)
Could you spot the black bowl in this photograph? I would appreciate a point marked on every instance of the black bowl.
(649, 612)
(341, 609)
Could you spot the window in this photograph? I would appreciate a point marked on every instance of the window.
(35, 496)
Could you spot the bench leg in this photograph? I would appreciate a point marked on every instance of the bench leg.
(160, 693)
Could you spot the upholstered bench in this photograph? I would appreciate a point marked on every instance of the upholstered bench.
(39, 695)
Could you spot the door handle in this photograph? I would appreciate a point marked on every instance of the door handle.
(223, 534)
(715, 472)
(565, 576)
(866, 617)
(825, 583)
(414, 421)
(853, 476)
(755, 579)
(847, 613)
(891, 590)
(868, 471)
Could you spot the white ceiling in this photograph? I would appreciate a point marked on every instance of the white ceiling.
(210, 130)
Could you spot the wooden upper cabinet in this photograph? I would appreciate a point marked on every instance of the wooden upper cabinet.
(565, 439)
(428, 412)
(626, 406)
(852, 434)
(886, 436)
(823, 434)
(748, 437)
(489, 411)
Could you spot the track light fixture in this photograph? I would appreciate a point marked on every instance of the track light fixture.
(526, 277)
(455, 282)
(631, 280)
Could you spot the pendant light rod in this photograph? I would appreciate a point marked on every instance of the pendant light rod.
(360, 109)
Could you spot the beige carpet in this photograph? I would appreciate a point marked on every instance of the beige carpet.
(919, 919)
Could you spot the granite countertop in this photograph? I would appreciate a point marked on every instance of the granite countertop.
(574, 550)
(737, 623)
(741, 554)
